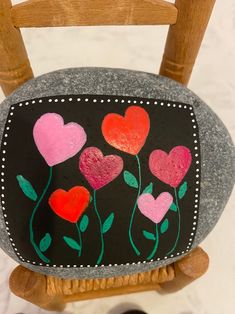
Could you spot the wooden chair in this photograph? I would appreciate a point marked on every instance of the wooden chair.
(188, 21)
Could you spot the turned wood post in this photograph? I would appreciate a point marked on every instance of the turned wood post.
(184, 39)
(187, 269)
(32, 286)
(14, 63)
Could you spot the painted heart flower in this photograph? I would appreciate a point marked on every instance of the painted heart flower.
(170, 168)
(98, 169)
(127, 133)
(155, 209)
(57, 141)
(71, 204)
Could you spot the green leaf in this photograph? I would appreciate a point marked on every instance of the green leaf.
(173, 207)
(45, 242)
(84, 223)
(183, 189)
(26, 187)
(149, 235)
(108, 223)
(72, 243)
(91, 198)
(130, 179)
(164, 226)
(148, 189)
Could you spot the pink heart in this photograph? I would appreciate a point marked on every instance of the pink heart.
(98, 169)
(170, 168)
(57, 141)
(155, 209)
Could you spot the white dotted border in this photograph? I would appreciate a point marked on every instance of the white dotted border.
(129, 101)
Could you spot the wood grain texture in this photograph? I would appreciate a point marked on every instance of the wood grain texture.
(43, 13)
(14, 64)
(184, 38)
(53, 293)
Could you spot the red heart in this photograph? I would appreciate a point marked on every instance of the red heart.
(127, 133)
(171, 168)
(70, 205)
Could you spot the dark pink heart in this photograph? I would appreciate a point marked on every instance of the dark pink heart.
(170, 168)
(98, 169)
(155, 209)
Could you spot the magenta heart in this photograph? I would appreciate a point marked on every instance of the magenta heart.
(155, 209)
(170, 168)
(98, 169)
(57, 141)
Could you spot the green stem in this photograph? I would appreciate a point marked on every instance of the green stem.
(80, 239)
(101, 231)
(178, 231)
(155, 246)
(40, 254)
(134, 209)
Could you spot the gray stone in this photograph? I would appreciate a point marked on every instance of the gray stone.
(217, 149)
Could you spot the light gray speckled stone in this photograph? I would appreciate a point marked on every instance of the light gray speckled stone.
(217, 150)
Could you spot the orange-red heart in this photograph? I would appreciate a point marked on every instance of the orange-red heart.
(71, 204)
(127, 133)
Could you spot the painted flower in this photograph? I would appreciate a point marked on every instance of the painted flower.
(99, 170)
(57, 141)
(70, 205)
(155, 209)
(127, 133)
(170, 168)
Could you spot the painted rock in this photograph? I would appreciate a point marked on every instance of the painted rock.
(107, 172)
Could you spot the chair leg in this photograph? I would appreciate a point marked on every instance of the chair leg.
(14, 63)
(32, 286)
(184, 38)
(188, 269)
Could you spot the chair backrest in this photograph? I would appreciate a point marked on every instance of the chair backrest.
(188, 20)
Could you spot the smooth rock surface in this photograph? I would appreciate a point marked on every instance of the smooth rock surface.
(217, 150)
